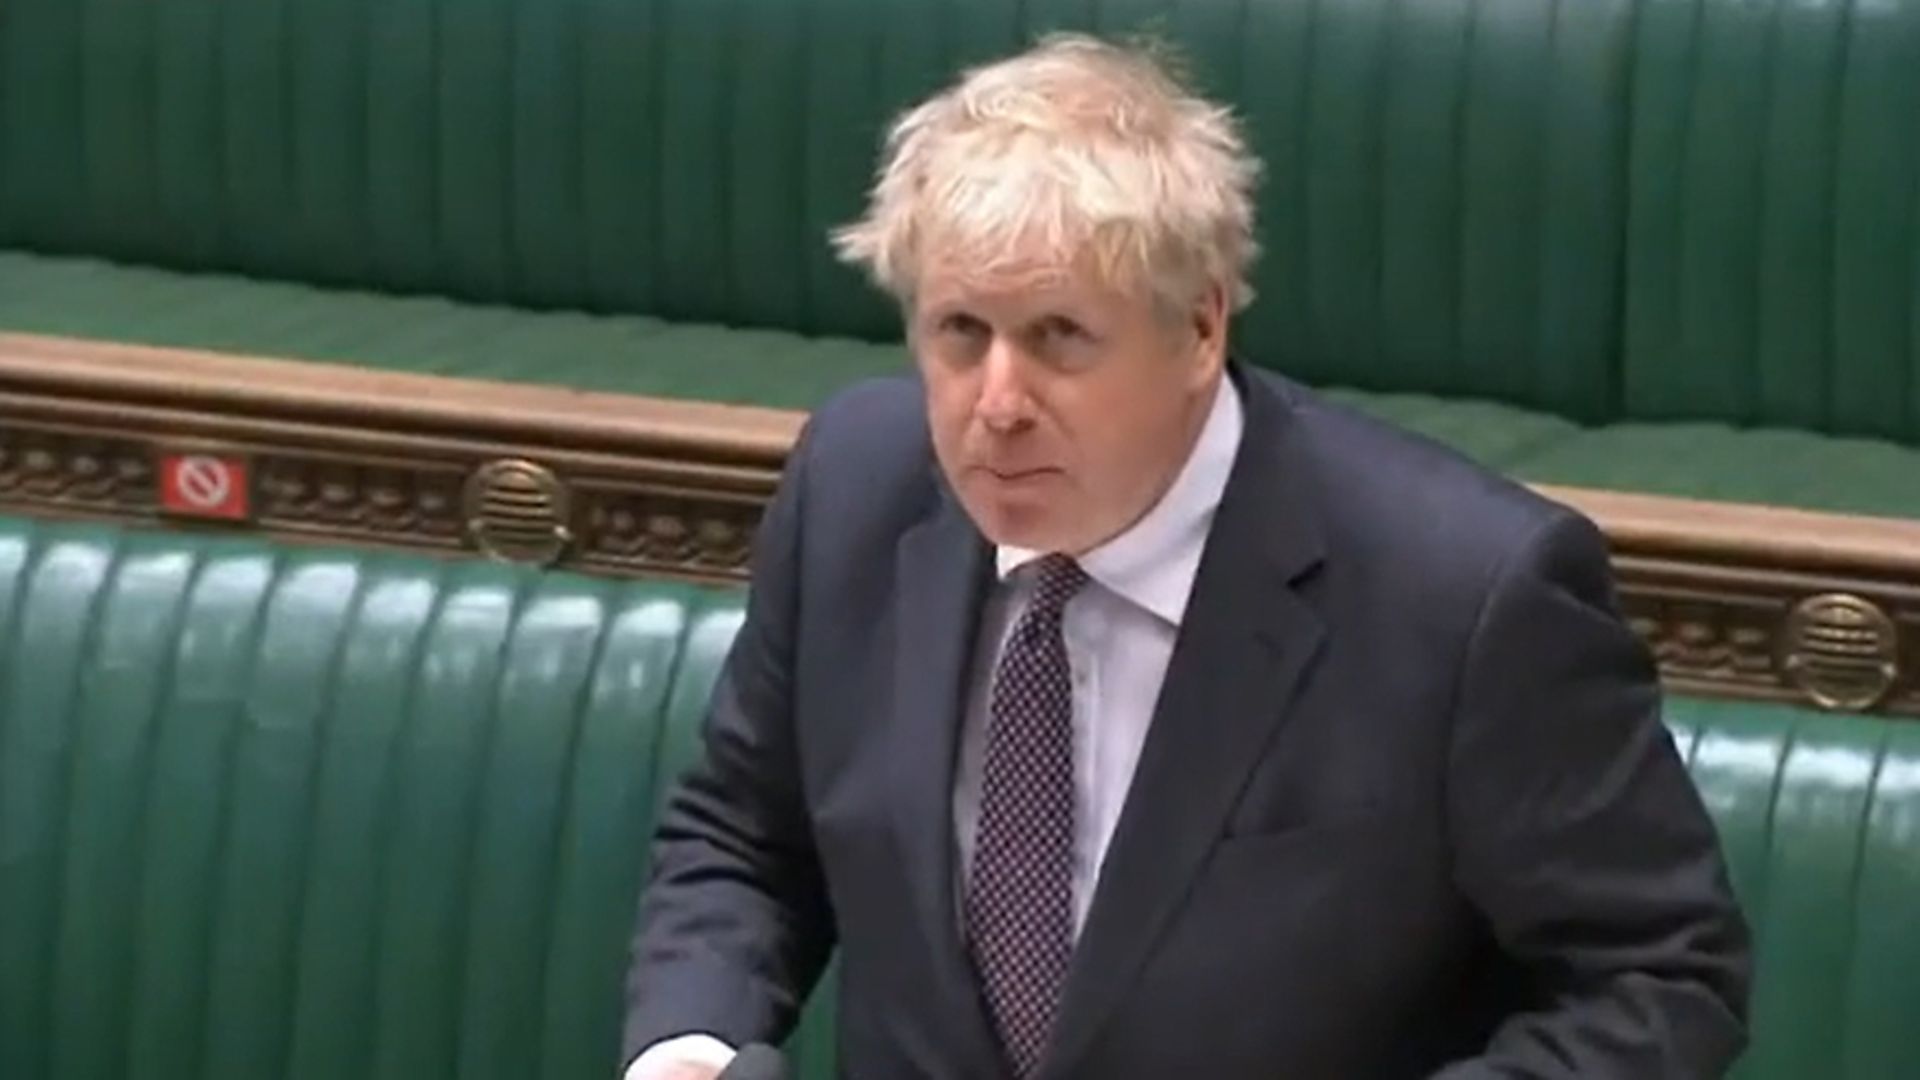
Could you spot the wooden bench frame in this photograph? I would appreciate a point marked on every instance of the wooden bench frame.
(1738, 601)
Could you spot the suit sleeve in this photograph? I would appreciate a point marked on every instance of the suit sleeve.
(734, 926)
(1580, 837)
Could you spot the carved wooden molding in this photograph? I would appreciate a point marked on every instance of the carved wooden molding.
(1768, 603)
(1743, 601)
(602, 483)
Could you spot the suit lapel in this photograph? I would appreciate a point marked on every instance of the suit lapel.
(939, 585)
(1247, 640)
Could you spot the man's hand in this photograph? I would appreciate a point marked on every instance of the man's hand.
(681, 1070)
(688, 1057)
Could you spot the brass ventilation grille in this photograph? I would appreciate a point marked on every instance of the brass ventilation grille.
(517, 510)
(1842, 650)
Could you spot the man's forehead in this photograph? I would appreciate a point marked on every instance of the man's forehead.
(1014, 284)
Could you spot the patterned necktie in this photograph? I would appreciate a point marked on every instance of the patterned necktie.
(1019, 903)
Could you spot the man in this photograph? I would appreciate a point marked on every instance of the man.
(1123, 711)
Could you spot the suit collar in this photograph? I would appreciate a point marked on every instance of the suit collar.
(1152, 564)
(1247, 642)
(941, 573)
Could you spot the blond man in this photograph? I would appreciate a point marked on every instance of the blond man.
(1121, 711)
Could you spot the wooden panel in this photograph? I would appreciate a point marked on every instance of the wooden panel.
(1743, 601)
(617, 484)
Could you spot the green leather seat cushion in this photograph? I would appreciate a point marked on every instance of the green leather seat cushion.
(634, 354)
(622, 353)
(1773, 466)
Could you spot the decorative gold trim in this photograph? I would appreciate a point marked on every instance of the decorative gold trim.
(1740, 601)
(692, 534)
(51, 470)
(309, 494)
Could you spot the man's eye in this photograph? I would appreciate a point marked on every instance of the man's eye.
(961, 326)
(1059, 326)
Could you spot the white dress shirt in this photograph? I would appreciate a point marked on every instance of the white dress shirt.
(1119, 631)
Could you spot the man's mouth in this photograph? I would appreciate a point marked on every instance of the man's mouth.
(1007, 474)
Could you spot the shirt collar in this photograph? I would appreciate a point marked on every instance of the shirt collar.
(1153, 563)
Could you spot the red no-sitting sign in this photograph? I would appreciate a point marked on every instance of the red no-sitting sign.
(205, 486)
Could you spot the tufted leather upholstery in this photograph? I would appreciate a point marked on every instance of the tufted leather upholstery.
(274, 813)
(1601, 209)
(1773, 254)
(1443, 212)
(320, 814)
(1443, 209)
(1820, 818)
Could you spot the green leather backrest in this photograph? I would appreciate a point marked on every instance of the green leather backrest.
(1819, 815)
(1443, 212)
(1444, 205)
(270, 813)
(1773, 269)
(274, 813)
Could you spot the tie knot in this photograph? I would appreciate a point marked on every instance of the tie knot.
(1056, 579)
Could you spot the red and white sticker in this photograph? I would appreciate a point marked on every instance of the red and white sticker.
(205, 485)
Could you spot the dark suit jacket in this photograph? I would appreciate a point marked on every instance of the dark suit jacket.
(1407, 807)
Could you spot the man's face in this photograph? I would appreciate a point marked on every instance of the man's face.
(1061, 409)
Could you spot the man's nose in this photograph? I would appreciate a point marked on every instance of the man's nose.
(1005, 403)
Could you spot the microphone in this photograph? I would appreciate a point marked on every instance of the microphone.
(756, 1061)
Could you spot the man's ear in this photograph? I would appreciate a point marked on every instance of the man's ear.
(1209, 327)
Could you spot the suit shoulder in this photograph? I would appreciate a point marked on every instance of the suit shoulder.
(880, 414)
(867, 451)
(1425, 503)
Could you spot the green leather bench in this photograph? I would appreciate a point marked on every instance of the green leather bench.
(322, 814)
(1636, 244)
(274, 813)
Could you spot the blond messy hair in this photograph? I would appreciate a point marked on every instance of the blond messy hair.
(1077, 152)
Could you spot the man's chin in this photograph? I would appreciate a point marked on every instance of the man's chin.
(1022, 524)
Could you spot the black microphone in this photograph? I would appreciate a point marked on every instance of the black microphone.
(756, 1061)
